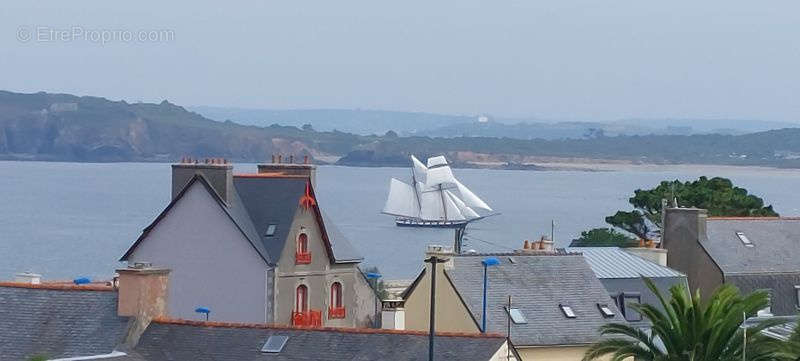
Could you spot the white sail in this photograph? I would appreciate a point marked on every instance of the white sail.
(434, 195)
(451, 208)
(470, 198)
(402, 200)
(419, 170)
(439, 172)
(465, 210)
(430, 204)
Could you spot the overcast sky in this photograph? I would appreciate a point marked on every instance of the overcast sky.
(568, 59)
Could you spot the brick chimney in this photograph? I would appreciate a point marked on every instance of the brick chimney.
(142, 296)
(280, 166)
(217, 171)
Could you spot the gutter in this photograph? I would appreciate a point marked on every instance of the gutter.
(113, 354)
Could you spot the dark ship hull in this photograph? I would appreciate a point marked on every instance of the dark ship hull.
(409, 222)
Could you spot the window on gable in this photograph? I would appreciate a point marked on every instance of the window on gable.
(605, 310)
(746, 241)
(567, 310)
(302, 243)
(630, 312)
(271, 230)
(516, 315)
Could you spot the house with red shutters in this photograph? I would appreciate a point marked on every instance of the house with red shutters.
(254, 248)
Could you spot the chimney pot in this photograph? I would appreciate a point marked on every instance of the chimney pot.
(291, 159)
(279, 158)
(526, 245)
(305, 159)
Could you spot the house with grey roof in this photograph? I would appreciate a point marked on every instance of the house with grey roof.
(167, 340)
(749, 253)
(59, 321)
(254, 248)
(127, 319)
(621, 272)
(549, 303)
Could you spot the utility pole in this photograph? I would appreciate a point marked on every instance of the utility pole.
(508, 330)
(433, 260)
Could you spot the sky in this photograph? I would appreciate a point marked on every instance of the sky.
(556, 59)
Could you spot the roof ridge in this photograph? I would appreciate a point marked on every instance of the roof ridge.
(58, 286)
(269, 175)
(270, 326)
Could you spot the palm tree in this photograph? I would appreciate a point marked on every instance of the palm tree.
(687, 328)
(789, 350)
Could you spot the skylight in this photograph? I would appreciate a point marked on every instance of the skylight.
(516, 315)
(605, 310)
(567, 311)
(274, 344)
(744, 239)
(271, 230)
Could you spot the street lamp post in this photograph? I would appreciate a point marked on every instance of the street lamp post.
(375, 276)
(433, 260)
(490, 261)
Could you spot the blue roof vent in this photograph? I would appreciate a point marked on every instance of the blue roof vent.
(203, 310)
(81, 281)
(490, 261)
(373, 275)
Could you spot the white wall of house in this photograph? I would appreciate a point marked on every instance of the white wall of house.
(213, 265)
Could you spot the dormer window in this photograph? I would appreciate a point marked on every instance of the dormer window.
(628, 309)
(302, 256)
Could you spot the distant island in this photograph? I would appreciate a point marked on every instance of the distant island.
(63, 127)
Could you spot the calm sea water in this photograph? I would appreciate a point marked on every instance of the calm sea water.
(65, 220)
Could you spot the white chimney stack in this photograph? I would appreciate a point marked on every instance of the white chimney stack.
(393, 315)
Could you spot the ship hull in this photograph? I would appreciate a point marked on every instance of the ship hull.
(406, 222)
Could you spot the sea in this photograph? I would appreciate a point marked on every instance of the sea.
(69, 220)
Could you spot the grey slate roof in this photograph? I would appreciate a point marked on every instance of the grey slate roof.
(58, 323)
(170, 341)
(275, 200)
(537, 284)
(776, 245)
(613, 262)
(258, 202)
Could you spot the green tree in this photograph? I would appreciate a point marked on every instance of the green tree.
(690, 329)
(788, 350)
(603, 237)
(718, 195)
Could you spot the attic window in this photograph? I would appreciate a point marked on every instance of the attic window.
(516, 316)
(274, 344)
(744, 239)
(605, 310)
(567, 311)
(271, 230)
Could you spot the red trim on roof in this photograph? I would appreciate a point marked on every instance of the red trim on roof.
(269, 175)
(170, 321)
(59, 286)
(754, 218)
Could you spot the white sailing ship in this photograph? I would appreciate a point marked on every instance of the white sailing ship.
(435, 198)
